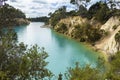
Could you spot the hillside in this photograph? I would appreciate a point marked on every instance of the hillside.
(80, 29)
(12, 16)
(108, 43)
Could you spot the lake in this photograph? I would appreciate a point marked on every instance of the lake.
(63, 52)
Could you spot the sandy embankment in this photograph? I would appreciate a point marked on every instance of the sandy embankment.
(108, 44)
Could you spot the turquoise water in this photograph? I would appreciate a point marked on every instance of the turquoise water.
(63, 52)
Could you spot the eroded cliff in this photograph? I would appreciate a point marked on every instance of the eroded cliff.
(107, 43)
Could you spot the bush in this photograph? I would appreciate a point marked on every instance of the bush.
(61, 27)
(114, 27)
(17, 62)
(117, 37)
(100, 11)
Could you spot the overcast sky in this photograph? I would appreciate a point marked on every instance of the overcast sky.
(35, 8)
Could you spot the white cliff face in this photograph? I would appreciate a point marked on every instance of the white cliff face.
(112, 26)
(113, 21)
(108, 43)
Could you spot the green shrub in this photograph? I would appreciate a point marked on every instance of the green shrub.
(62, 28)
(114, 27)
(117, 37)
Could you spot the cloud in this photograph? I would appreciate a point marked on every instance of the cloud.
(39, 1)
(13, 0)
(35, 8)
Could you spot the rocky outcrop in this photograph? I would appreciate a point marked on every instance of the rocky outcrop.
(21, 21)
(108, 43)
(70, 23)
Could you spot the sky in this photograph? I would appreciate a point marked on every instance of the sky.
(36, 8)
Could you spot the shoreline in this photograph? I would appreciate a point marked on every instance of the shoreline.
(46, 26)
(88, 46)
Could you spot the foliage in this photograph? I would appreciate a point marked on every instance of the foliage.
(39, 19)
(57, 15)
(113, 4)
(114, 73)
(17, 62)
(86, 73)
(100, 11)
(117, 37)
(8, 14)
(98, 73)
(114, 27)
(61, 28)
(86, 32)
(83, 11)
(82, 7)
(72, 13)
(80, 2)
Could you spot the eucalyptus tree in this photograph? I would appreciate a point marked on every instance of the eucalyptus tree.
(113, 4)
(81, 6)
(80, 2)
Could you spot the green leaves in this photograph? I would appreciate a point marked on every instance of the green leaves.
(19, 62)
(117, 37)
(114, 72)
(8, 15)
(57, 15)
(86, 73)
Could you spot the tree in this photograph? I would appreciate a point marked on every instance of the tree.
(17, 62)
(82, 6)
(80, 2)
(100, 11)
(114, 73)
(113, 4)
(117, 37)
(86, 73)
(58, 15)
(8, 14)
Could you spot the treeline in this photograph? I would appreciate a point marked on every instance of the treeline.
(17, 62)
(39, 19)
(10, 15)
(100, 11)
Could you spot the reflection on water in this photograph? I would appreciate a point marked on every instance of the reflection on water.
(63, 52)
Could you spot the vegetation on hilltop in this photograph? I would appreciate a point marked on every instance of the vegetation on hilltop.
(88, 31)
(17, 62)
(11, 15)
(98, 13)
(39, 19)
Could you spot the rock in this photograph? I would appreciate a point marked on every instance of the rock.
(21, 21)
(108, 43)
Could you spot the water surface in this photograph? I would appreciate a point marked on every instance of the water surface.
(63, 52)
